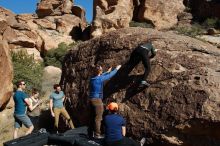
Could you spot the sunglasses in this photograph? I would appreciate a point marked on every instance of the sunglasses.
(23, 84)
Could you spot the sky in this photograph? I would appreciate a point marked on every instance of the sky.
(29, 6)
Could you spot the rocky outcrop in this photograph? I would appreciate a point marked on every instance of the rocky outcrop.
(54, 7)
(111, 15)
(160, 13)
(80, 12)
(6, 77)
(181, 107)
(31, 32)
(205, 8)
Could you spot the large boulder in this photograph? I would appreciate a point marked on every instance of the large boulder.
(111, 15)
(161, 13)
(51, 76)
(181, 107)
(6, 77)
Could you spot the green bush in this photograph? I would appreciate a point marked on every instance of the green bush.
(54, 57)
(27, 69)
(192, 31)
(211, 22)
(140, 24)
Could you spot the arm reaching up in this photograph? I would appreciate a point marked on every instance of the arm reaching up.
(110, 74)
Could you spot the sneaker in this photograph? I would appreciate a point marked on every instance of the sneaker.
(144, 83)
(98, 136)
(42, 130)
(142, 142)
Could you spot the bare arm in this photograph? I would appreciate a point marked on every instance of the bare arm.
(123, 130)
(31, 108)
(51, 107)
(27, 101)
(64, 98)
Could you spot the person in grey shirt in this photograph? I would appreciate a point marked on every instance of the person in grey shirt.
(56, 106)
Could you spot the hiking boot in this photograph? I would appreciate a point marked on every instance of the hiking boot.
(144, 83)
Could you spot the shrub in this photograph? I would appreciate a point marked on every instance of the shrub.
(192, 31)
(211, 22)
(140, 24)
(54, 57)
(27, 69)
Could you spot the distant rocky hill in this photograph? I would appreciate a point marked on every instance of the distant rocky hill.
(179, 108)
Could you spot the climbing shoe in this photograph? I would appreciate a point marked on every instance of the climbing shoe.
(144, 84)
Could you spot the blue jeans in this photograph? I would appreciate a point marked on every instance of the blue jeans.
(22, 119)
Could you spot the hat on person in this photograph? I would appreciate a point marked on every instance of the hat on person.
(112, 106)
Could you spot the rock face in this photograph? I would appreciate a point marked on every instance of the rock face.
(6, 77)
(215, 40)
(160, 13)
(205, 8)
(181, 107)
(111, 15)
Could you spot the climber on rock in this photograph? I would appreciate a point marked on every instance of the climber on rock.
(96, 94)
(144, 53)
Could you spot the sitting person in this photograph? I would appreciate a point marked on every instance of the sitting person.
(115, 129)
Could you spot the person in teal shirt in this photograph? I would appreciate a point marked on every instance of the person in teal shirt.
(21, 102)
